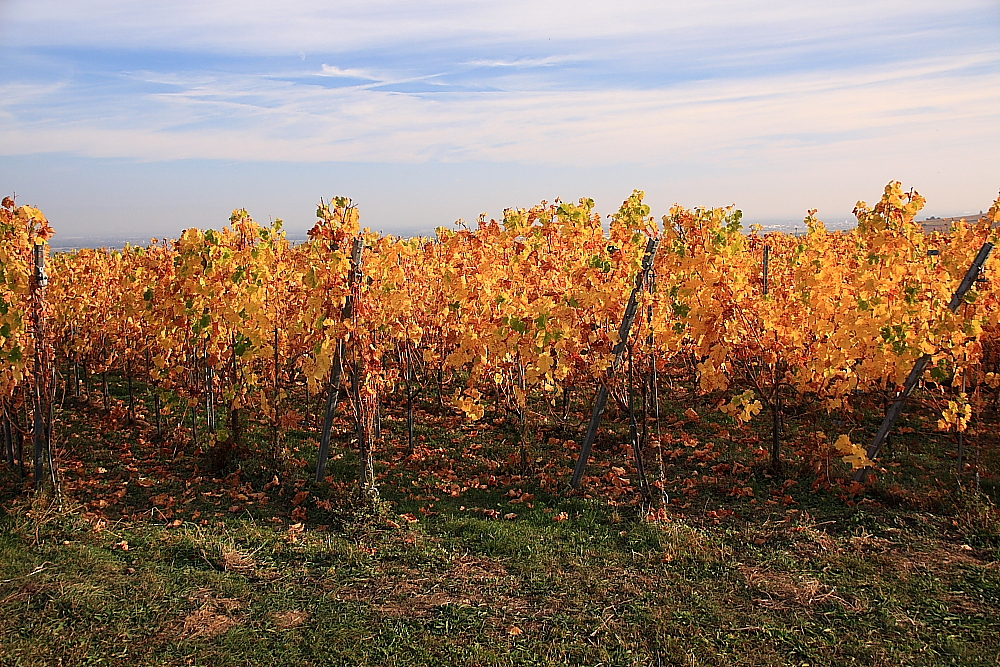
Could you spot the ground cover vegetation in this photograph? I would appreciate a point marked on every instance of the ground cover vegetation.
(231, 449)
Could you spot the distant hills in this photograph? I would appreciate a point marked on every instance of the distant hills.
(934, 224)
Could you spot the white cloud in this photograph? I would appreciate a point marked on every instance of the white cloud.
(348, 73)
(760, 121)
(519, 62)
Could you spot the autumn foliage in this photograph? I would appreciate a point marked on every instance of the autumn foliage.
(513, 314)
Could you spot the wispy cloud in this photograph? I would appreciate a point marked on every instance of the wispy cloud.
(256, 118)
(347, 73)
(520, 62)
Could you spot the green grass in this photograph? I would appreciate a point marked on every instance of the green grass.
(598, 588)
(905, 574)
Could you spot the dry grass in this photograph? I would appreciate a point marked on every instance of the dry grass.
(214, 617)
(239, 562)
(782, 590)
(469, 581)
(287, 620)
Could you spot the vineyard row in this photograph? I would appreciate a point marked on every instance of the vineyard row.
(518, 313)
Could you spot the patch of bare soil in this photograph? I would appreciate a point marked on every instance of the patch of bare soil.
(214, 617)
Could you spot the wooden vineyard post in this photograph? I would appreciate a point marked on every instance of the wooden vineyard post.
(76, 362)
(332, 398)
(235, 423)
(411, 394)
(209, 390)
(359, 376)
(366, 475)
(918, 368)
(131, 392)
(776, 399)
(601, 401)
(960, 464)
(105, 391)
(53, 468)
(775, 438)
(409, 404)
(653, 393)
(277, 361)
(42, 377)
(637, 439)
(8, 437)
(767, 263)
(333, 392)
(13, 422)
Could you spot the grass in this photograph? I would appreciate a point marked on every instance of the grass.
(597, 588)
(157, 561)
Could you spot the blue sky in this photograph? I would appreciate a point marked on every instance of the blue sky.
(141, 119)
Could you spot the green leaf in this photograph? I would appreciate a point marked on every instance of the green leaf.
(680, 309)
(242, 345)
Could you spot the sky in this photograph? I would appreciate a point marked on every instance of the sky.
(139, 119)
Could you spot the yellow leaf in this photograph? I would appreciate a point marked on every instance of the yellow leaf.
(854, 455)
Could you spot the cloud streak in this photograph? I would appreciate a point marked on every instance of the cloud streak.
(348, 73)
(256, 118)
